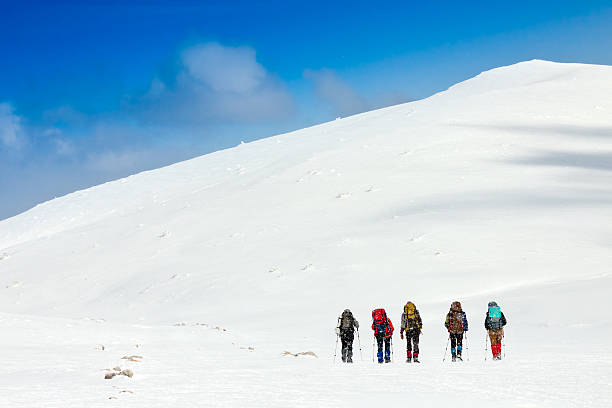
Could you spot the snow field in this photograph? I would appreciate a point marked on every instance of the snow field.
(497, 189)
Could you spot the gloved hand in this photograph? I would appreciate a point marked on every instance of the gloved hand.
(402, 335)
(337, 331)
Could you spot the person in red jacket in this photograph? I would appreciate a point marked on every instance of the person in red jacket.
(383, 330)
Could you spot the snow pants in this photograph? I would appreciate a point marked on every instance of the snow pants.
(496, 337)
(412, 343)
(456, 340)
(387, 343)
(347, 337)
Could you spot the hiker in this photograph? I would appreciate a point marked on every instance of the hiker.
(412, 326)
(456, 323)
(494, 323)
(346, 331)
(383, 330)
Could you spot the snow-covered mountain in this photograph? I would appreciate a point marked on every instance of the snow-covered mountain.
(496, 189)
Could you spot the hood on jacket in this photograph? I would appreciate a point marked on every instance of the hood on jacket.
(493, 304)
(456, 307)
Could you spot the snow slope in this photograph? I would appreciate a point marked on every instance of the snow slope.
(498, 188)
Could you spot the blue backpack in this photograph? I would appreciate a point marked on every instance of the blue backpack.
(495, 322)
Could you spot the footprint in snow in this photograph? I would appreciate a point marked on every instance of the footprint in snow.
(343, 195)
(276, 272)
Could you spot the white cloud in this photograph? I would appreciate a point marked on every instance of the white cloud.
(343, 99)
(10, 126)
(63, 147)
(115, 161)
(224, 69)
(218, 84)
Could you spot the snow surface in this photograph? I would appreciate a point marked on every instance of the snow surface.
(496, 189)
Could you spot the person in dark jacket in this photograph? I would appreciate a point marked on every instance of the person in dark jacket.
(494, 323)
(412, 326)
(383, 330)
(456, 323)
(346, 330)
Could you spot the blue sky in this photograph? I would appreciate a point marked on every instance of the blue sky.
(96, 90)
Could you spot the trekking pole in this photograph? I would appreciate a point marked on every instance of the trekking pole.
(446, 351)
(486, 345)
(336, 348)
(372, 350)
(391, 341)
(504, 345)
(467, 347)
(359, 340)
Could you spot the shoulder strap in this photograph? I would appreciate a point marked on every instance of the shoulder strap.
(386, 321)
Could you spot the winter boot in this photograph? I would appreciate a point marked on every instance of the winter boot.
(344, 355)
(415, 358)
(409, 356)
(387, 356)
(380, 357)
(454, 358)
(454, 353)
(349, 359)
(494, 351)
(459, 350)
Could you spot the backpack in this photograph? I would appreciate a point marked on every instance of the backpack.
(410, 311)
(495, 322)
(346, 320)
(455, 322)
(380, 323)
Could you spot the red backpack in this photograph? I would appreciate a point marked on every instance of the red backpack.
(380, 323)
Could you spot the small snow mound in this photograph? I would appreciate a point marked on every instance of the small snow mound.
(302, 353)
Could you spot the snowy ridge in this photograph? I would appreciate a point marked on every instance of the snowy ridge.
(496, 189)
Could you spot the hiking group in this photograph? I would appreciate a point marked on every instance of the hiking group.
(411, 327)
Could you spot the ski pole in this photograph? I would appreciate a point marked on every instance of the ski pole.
(336, 348)
(446, 350)
(359, 340)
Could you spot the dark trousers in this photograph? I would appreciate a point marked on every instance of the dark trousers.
(347, 338)
(456, 340)
(412, 342)
(387, 343)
